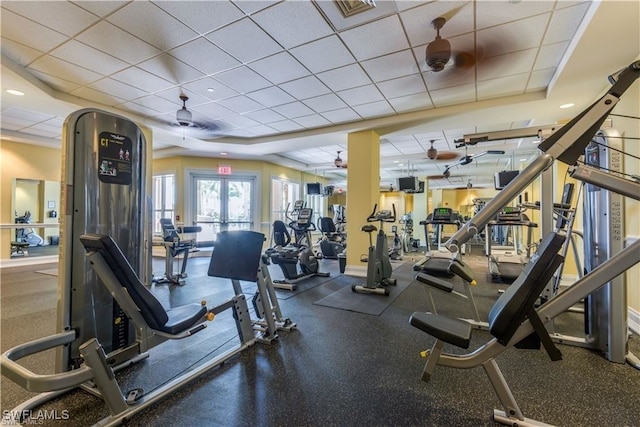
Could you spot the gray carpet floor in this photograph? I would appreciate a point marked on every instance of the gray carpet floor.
(338, 368)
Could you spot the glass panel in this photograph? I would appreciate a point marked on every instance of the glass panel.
(239, 201)
(208, 208)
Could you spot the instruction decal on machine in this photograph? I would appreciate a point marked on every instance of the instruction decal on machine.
(114, 158)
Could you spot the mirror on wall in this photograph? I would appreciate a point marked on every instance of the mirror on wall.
(35, 205)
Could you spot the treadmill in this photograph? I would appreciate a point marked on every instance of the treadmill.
(437, 261)
(506, 258)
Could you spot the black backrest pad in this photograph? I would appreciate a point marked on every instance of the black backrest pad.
(236, 255)
(169, 231)
(281, 236)
(327, 225)
(510, 310)
(150, 308)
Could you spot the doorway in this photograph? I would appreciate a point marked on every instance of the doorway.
(221, 203)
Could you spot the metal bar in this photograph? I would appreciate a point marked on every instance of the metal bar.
(606, 180)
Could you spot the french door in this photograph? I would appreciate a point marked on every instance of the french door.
(220, 204)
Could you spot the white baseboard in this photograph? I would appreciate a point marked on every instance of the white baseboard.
(634, 321)
(356, 270)
(19, 262)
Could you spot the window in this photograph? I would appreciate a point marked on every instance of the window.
(163, 200)
(283, 194)
(318, 204)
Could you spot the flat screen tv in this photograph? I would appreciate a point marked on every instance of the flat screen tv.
(409, 184)
(314, 188)
(502, 179)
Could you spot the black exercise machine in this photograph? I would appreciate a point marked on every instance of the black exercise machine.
(175, 247)
(332, 242)
(437, 261)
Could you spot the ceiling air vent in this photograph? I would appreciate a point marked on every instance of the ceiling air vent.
(353, 7)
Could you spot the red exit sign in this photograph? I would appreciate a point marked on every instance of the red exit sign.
(224, 170)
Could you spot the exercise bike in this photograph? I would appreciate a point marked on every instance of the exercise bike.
(297, 262)
(378, 263)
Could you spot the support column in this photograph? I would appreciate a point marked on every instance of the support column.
(363, 192)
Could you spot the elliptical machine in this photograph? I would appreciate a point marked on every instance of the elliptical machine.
(297, 262)
(27, 234)
(378, 263)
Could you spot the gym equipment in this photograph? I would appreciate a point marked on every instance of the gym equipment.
(332, 242)
(513, 321)
(569, 145)
(296, 262)
(395, 252)
(27, 234)
(465, 273)
(378, 264)
(437, 261)
(506, 262)
(174, 247)
(409, 244)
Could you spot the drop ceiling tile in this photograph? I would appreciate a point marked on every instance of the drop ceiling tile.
(60, 85)
(491, 14)
(286, 126)
(63, 17)
(306, 87)
(540, 79)
(454, 95)
(374, 109)
(171, 69)
(293, 110)
(344, 77)
(97, 96)
(342, 115)
(243, 80)
(244, 40)
(506, 65)
(150, 23)
(204, 56)
(139, 109)
(250, 7)
(303, 23)
(312, 121)
(265, 116)
(24, 31)
(161, 105)
(214, 110)
(202, 16)
(279, 68)
(100, 8)
(240, 133)
(88, 57)
(271, 96)
(54, 128)
(565, 22)
(402, 86)
(360, 95)
(39, 132)
(241, 104)
(550, 55)
(241, 121)
(173, 95)
(116, 42)
(417, 21)
(142, 79)
(325, 103)
(376, 38)
(414, 149)
(117, 88)
(324, 54)
(512, 37)
(15, 123)
(64, 70)
(210, 88)
(391, 66)
(262, 130)
(417, 101)
(18, 52)
(504, 86)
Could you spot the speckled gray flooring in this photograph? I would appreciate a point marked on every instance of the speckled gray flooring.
(339, 368)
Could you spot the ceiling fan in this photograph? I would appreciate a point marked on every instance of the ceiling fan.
(338, 162)
(438, 53)
(198, 128)
(466, 159)
(433, 154)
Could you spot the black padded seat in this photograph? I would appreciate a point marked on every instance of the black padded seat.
(436, 282)
(462, 270)
(172, 321)
(452, 331)
(369, 228)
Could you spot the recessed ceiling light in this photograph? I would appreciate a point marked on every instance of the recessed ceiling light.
(210, 89)
(569, 105)
(396, 161)
(523, 160)
(400, 164)
(223, 153)
(535, 141)
(15, 92)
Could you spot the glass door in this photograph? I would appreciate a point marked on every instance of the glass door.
(221, 203)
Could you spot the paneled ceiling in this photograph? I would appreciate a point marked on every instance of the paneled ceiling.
(287, 81)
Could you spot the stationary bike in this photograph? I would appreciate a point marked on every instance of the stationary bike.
(378, 264)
